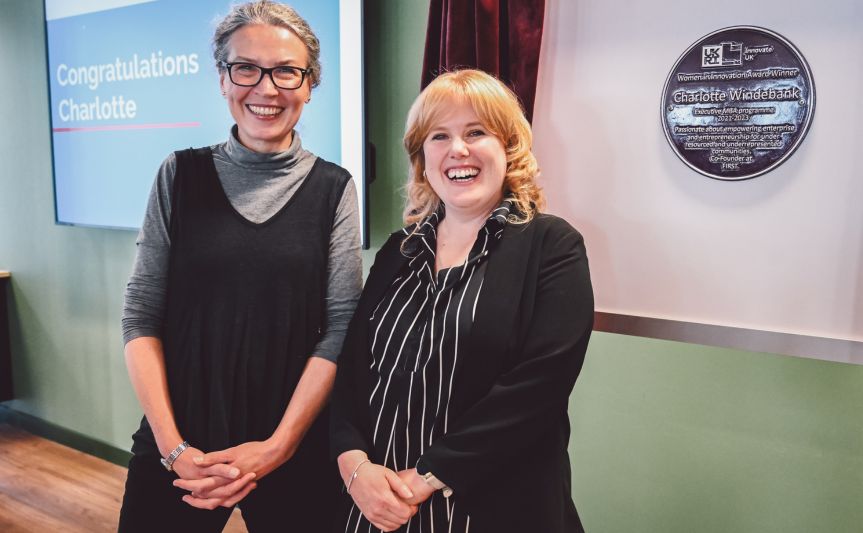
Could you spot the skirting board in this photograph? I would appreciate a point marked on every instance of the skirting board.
(64, 436)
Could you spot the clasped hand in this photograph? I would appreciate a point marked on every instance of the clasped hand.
(386, 498)
(223, 478)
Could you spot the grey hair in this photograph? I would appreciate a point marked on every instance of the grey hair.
(273, 14)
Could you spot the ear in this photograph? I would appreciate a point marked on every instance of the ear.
(223, 81)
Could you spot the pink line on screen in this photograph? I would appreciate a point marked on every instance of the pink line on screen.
(114, 127)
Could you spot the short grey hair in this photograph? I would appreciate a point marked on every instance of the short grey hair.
(273, 14)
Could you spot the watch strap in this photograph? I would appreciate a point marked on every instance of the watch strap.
(168, 462)
(437, 484)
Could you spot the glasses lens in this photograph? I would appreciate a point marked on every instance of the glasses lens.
(245, 74)
(288, 77)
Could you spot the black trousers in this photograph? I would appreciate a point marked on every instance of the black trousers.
(298, 497)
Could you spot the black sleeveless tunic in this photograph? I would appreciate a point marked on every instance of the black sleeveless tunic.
(245, 307)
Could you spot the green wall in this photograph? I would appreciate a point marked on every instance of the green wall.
(67, 282)
(667, 437)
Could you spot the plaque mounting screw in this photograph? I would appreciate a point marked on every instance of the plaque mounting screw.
(671, 108)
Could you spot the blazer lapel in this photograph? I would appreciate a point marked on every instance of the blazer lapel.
(494, 327)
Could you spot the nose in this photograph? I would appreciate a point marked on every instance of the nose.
(458, 148)
(266, 85)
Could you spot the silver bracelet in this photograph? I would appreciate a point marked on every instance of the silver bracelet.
(168, 462)
(354, 474)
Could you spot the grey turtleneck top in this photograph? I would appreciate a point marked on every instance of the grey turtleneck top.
(257, 185)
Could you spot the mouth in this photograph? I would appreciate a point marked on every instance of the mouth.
(264, 111)
(462, 174)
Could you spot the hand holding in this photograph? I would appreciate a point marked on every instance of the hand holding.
(260, 457)
(422, 491)
(210, 486)
(381, 497)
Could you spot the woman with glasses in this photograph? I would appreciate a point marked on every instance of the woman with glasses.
(246, 275)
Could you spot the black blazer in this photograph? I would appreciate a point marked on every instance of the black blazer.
(505, 454)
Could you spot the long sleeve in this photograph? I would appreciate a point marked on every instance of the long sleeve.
(146, 290)
(530, 396)
(350, 427)
(344, 274)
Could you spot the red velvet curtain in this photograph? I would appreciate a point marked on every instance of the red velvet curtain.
(501, 37)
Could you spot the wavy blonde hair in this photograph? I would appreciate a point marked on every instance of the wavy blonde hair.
(499, 111)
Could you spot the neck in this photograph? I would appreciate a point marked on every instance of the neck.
(463, 223)
(267, 147)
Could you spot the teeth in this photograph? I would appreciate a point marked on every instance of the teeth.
(261, 110)
(456, 173)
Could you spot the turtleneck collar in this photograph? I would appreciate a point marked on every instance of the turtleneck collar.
(242, 156)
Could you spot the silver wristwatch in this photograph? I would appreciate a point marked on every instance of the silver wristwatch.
(168, 462)
(437, 484)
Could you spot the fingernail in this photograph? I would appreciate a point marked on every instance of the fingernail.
(197, 460)
(174, 483)
(234, 472)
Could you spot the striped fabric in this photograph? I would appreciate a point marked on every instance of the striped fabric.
(418, 332)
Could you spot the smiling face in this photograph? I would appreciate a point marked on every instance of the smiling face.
(265, 115)
(465, 163)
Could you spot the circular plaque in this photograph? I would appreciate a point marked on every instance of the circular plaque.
(737, 103)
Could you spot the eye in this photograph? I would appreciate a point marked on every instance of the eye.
(475, 133)
(286, 71)
(244, 67)
(438, 137)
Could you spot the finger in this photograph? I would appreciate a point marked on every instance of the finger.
(202, 503)
(227, 491)
(233, 500)
(212, 458)
(398, 486)
(222, 470)
(198, 485)
(394, 510)
(385, 525)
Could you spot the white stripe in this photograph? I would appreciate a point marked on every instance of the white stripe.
(350, 513)
(427, 246)
(440, 357)
(375, 340)
(410, 395)
(408, 423)
(425, 367)
(395, 364)
(479, 290)
(390, 442)
(386, 313)
(450, 513)
(467, 527)
(455, 347)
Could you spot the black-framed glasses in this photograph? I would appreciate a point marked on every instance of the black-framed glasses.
(249, 75)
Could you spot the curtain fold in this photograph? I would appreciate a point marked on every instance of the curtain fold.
(501, 37)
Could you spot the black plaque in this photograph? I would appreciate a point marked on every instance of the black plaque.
(738, 103)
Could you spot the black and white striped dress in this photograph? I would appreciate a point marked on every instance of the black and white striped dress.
(417, 334)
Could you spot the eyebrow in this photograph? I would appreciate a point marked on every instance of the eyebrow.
(469, 125)
(243, 59)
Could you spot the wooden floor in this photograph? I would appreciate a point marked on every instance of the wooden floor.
(45, 487)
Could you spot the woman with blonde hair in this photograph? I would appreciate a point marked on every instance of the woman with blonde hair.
(450, 405)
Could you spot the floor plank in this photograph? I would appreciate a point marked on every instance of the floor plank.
(45, 486)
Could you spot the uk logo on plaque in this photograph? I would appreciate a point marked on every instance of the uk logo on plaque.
(738, 103)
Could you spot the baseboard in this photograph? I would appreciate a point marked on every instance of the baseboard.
(64, 436)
